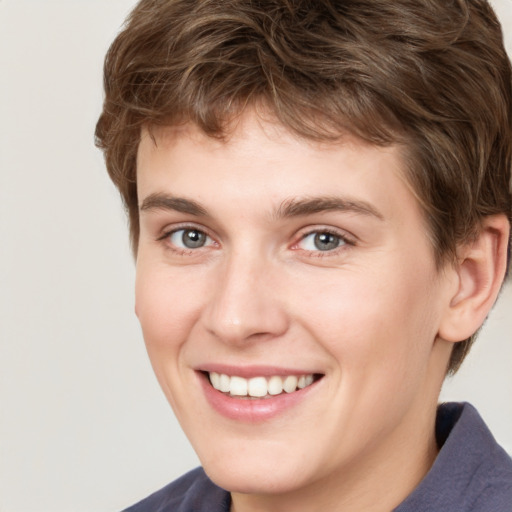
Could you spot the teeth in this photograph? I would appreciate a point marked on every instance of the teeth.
(259, 387)
(224, 383)
(238, 386)
(290, 383)
(215, 380)
(275, 385)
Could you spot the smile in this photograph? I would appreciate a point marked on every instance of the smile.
(259, 387)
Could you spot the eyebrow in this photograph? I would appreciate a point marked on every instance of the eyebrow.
(167, 202)
(309, 206)
(289, 208)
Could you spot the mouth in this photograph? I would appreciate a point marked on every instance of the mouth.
(260, 387)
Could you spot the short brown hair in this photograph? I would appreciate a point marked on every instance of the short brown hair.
(431, 75)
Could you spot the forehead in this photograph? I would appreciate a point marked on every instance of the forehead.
(261, 162)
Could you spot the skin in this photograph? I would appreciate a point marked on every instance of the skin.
(367, 315)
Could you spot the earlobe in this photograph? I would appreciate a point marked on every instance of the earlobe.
(480, 273)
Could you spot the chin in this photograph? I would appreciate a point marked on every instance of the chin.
(244, 479)
(259, 468)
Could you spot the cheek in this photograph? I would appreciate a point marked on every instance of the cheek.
(372, 320)
(166, 308)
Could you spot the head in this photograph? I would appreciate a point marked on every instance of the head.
(396, 118)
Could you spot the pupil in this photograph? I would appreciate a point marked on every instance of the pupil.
(326, 241)
(193, 239)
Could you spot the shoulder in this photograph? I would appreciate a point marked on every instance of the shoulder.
(193, 492)
(472, 473)
(490, 474)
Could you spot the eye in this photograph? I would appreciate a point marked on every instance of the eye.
(321, 241)
(189, 238)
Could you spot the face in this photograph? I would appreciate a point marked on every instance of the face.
(290, 302)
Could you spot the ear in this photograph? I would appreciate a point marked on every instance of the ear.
(479, 275)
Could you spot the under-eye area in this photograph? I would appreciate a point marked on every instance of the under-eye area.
(260, 386)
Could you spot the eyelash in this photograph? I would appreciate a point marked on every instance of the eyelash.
(345, 241)
(164, 238)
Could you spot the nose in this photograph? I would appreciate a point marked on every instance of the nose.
(247, 303)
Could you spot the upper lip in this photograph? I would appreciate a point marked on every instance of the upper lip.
(249, 371)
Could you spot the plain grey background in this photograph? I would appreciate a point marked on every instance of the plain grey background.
(83, 425)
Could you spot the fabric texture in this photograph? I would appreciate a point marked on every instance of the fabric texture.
(471, 473)
(193, 492)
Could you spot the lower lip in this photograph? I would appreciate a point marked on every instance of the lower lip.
(252, 410)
